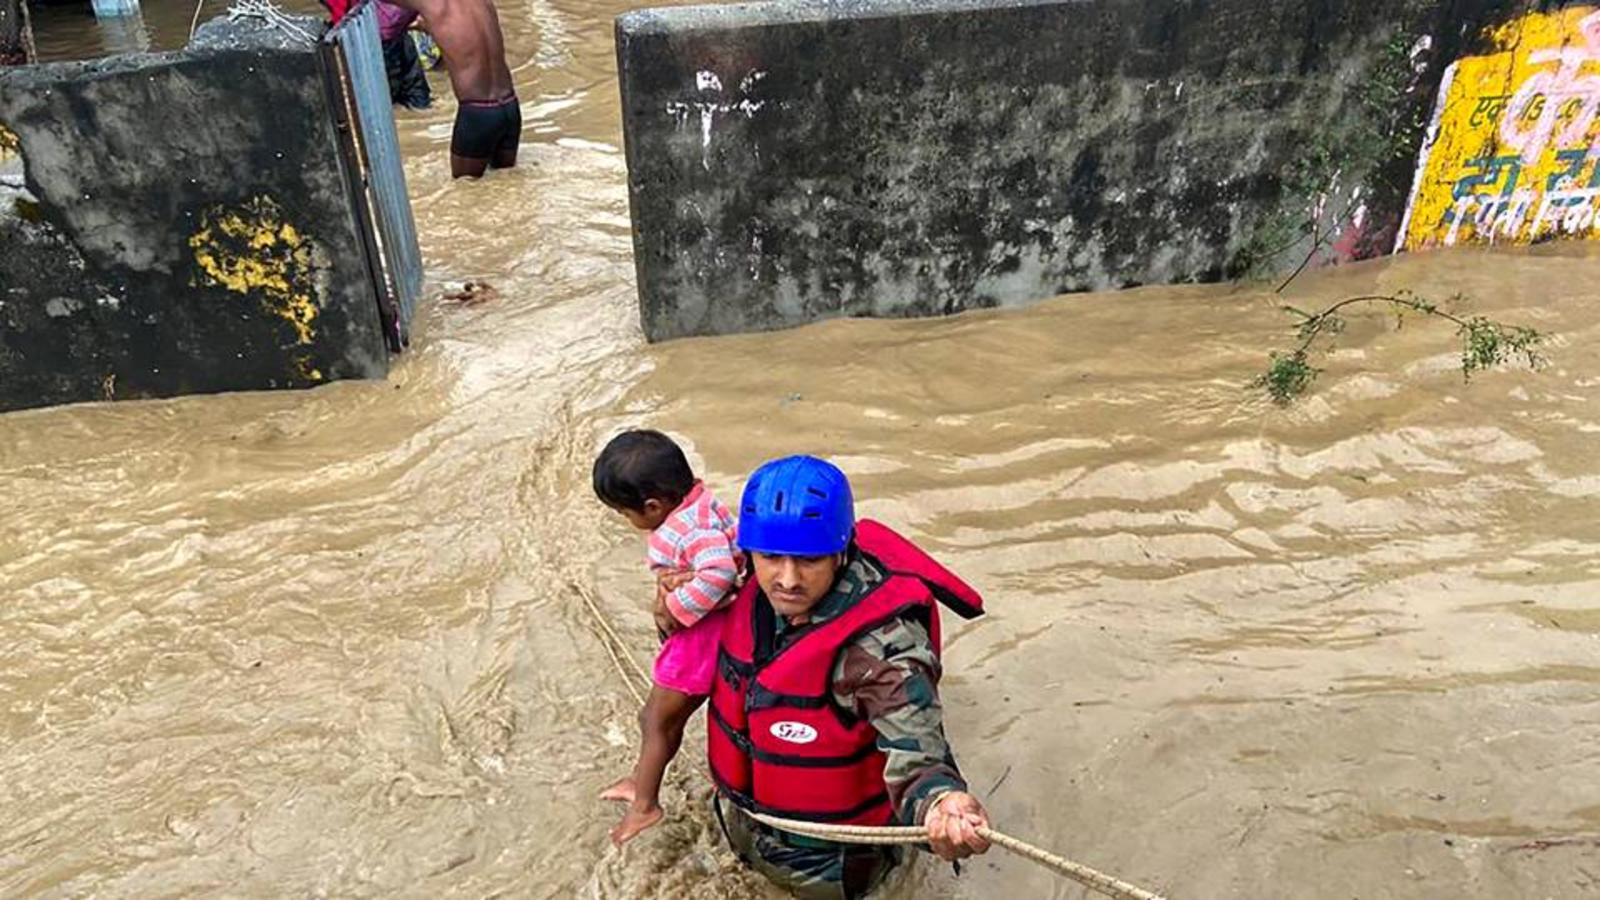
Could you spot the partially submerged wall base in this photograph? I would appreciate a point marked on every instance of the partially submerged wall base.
(178, 223)
(802, 160)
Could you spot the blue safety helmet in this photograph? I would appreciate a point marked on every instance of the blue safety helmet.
(797, 506)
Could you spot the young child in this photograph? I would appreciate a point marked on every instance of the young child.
(644, 476)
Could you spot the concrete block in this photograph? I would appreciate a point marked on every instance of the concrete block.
(179, 223)
(802, 160)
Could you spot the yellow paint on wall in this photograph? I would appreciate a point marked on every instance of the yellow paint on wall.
(250, 249)
(10, 145)
(1513, 154)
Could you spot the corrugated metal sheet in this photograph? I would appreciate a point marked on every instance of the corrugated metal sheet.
(356, 40)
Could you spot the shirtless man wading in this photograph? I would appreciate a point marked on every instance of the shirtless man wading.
(488, 121)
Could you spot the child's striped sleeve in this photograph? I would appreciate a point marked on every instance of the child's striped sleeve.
(710, 556)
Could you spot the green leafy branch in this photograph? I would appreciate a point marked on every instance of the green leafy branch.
(1485, 343)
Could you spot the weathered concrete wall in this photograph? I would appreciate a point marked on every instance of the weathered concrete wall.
(799, 160)
(178, 223)
(1513, 149)
(16, 39)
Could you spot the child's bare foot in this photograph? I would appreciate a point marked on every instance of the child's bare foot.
(622, 792)
(634, 821)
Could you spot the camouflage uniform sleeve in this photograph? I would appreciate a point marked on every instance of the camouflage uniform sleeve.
(890, 677)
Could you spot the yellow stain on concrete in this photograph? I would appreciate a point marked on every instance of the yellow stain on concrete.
(1513, 152)
(10, 145)
(250, 249)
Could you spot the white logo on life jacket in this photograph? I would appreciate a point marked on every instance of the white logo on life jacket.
(793, 732)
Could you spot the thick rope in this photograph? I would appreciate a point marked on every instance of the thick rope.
(614, 646)
(863, 834)
(271, 14)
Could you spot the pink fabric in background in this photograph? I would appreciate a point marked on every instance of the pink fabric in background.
(393, 21)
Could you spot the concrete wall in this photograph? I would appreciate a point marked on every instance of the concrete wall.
(16, 41)
(799, 160)
(178, 223)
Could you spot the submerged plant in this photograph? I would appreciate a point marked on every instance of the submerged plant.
(1485, 343)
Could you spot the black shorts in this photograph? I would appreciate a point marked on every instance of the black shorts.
(487, 129)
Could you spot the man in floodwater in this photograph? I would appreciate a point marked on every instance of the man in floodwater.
(825, 705)
(488, 127)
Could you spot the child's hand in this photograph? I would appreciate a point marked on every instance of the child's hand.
(666, 583)
(670, 580)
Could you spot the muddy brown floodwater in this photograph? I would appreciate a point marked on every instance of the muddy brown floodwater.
(327, 643)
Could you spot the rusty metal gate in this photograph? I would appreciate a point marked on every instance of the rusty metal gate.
(353, 53)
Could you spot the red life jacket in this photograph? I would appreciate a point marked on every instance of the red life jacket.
(338, 9)
(778, 743)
